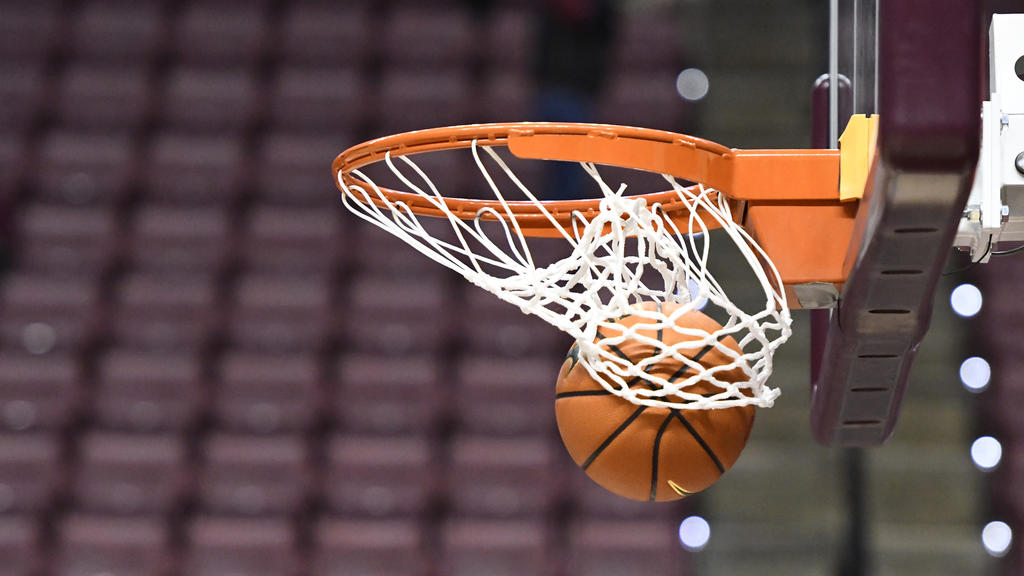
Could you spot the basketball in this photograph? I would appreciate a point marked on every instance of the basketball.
(651, 453)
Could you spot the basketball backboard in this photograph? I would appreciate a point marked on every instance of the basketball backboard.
(917, 65)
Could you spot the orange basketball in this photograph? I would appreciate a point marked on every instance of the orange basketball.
(651, 453)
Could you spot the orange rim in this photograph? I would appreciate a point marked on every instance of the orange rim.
(741, 175)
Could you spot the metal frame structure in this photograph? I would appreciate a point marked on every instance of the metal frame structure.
(928, 145)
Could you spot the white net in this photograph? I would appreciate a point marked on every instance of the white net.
(625, 254)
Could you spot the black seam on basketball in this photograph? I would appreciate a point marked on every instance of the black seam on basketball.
(611, 437)
(696, 358)
(654, 456)
(602, 392)
(660, 330)
(618, 352)
(639, 380)
(700, 440)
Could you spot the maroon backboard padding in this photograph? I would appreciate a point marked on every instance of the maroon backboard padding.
(929, 102)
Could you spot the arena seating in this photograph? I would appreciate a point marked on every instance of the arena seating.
(207, 367)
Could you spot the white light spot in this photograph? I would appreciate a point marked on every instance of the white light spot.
(695, 294)
(997, 537)
(975, 373)
(966, 300)
(692, 84)
(986, 452)
(694, 533)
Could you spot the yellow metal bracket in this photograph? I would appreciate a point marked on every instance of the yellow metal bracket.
(856, 154)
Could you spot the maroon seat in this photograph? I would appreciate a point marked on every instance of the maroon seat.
(318, 100)
(508, 97)
(492, 326)
(20, 545)
(498, 395)
(290, 168)
(499, 548)
(28, 30)
(293, 239)
(130, 473)
(195, 169)
(210, 101)
(280, 313)
(380, 547)
(254, 547)
(146, 391)
(648, 100)
(222, 32)
(118, 31)
(85, 168)
(501, 477)
(166, 311)
(405, 94)
(38, 392)
(370, 476)
(443, 36)
(21, 91)
(648, 40)
(13, 165)
(181, 240)
(326, 34)
(105, 99)
(31, 474)
(389, 395)
(261, 393)
(90, 545)
(624, 547)
(511, 38)
(43, 313)
(58, 239)
(384, 316)
(254, 475)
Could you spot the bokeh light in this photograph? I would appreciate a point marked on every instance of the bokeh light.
(692, 84)
(694, 533)
(986, 452)
(966, 300)
(975, 373)
(997, 537)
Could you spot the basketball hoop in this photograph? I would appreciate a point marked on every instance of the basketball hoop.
(626, 249)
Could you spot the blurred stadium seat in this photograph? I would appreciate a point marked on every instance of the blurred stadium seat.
(380, 547)
(251, 546)
(39, 392)
(497, 547)
(261, 394)
(381, 476)
(149, 390)
(109, 545)
(132, 474)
